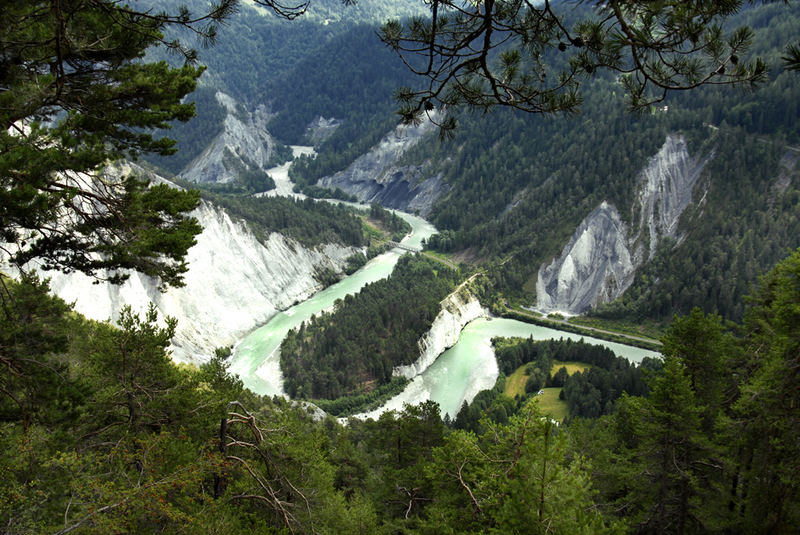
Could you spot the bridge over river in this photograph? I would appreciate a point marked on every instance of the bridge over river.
(405, 247)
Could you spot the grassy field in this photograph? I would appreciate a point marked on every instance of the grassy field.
(548, 400)
(571, 367)
(515, 383)
(551, 405)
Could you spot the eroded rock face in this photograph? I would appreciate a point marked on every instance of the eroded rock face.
(377, 177)
(234, 283)
(600, 260)
(243, 144)
(458, 309)
(321, 129)
(595, 266)
(666, 189)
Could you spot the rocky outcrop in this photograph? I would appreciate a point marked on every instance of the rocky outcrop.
(666, 190)
(595, 266)
(600, 260)
(458, 309)
(243, 145)
(377, 176)
(321, 129)
(234, 283)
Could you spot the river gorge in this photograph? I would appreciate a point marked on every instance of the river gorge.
(459, 362)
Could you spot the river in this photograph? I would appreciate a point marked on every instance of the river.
(457, 375)
(280, 174)
(256, 359)
(470, 366)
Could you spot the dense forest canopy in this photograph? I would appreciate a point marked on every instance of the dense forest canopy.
(519, 185)
(101, 432)
(354, 348)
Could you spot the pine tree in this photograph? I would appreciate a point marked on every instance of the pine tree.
(767, 414)
(676, 488)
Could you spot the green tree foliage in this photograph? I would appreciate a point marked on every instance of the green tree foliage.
(491, 402)
(501, 52)
(514, 478)
(194, 136)
(713, 448)
(115, 451)
(674, 455)
(76, 95)
(588, 394)
(117, 438)
(766, 409)
(390, 221)
(100, 432)
(354, 55)
(34, 329)
(705, 348)
(354, 348)
(513, 176)
(401, 446)
(308, 221)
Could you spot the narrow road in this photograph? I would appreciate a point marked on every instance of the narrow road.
(524, 312)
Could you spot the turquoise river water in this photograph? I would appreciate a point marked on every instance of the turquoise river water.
(457, 375)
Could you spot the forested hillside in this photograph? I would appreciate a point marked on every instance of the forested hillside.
(260, 58)
(308, 221)
(102, 433)
(553, 172)
(520, 184)
(353, 349)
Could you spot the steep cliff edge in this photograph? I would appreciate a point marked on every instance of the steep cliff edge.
(377, 177)
(458, 309)
(595, 266)
(600, 260)
(234, 283)
(666, 190)
(243, 145)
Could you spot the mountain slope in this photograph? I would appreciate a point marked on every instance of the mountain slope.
(236, 281)
(514, 187)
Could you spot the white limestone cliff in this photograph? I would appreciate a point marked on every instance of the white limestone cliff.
(234, 283)
(666, 189)
(595, 266)
(244, 143)
(457, 309)
(600, 260)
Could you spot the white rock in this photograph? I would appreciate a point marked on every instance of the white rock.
(377, 177)
(582, 276)
(234, 283)
(244, 137)
(458, 309)
(599, 262)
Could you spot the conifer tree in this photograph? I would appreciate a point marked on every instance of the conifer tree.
(766, 414)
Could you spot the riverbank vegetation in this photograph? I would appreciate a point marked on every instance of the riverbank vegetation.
(622, 336)
(308, 221)
(353, 349)
(591, 376)
(389, 222)
(101, 432)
